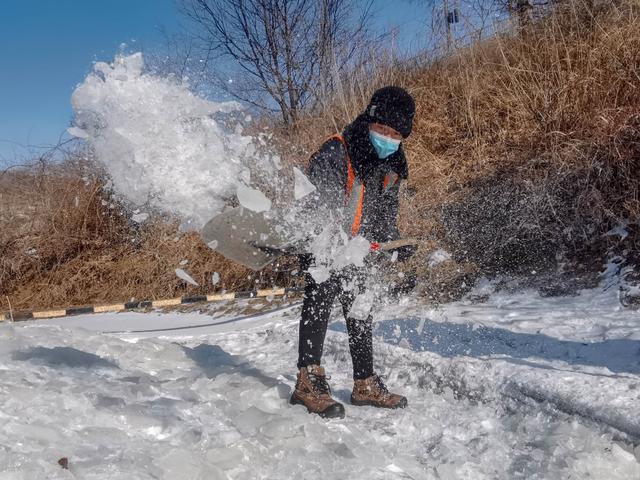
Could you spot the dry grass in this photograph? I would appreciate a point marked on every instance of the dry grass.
(532, 140)
(64, 240)
(526, 148)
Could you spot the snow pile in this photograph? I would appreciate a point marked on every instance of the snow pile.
(162, 145)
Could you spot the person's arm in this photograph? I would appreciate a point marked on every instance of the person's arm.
(390, 207)
(388, 232)
(328, 173)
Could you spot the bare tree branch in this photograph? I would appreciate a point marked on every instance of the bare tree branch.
(285, 51)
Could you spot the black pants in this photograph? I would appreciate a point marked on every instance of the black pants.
(316, 309)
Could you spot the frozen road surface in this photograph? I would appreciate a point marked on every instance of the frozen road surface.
(519, 387)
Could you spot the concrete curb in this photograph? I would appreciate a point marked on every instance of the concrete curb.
(121, 307)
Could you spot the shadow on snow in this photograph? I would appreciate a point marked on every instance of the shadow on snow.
(452, 340)
(213, 361)
(63, 357)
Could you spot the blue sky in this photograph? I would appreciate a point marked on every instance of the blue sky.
(47, 47)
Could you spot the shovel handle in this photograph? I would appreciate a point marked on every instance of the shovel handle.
(403, 242)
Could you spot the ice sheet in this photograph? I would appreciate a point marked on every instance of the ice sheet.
(490, 397)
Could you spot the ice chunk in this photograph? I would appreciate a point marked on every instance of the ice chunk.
(213, 244)
(353, 253)
(438, 257)
(279, 428)
(185, 276)
(303, 186)
(215, 278)
(620, 231)
(397, 331)
(225, 458)
(139, 217)
(333, 250)
(362, 305)
(182, 463)
(394, 468)
(252, 199)
(77, 132)
(250, 420)
(320, 274)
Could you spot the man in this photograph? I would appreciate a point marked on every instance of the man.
(357, 173)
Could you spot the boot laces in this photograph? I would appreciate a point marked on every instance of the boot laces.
(380, 384)
(319, 383)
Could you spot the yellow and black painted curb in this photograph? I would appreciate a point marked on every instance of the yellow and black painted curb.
(120, 307)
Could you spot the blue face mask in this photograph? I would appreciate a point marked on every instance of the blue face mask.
(383, 145)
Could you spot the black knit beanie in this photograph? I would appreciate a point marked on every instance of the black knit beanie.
(393, 107)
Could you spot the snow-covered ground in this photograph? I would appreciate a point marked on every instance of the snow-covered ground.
(518, 387)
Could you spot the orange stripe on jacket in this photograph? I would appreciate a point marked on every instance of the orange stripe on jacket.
(351, 177)
(390, 178)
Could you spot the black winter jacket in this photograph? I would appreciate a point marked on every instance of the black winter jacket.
(328, 171)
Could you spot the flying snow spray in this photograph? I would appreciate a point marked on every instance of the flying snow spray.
(162, 145)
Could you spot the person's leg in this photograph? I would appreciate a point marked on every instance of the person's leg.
(316, 309)
(361, 347)
(368, 387)
(360, 336)
(312, 389)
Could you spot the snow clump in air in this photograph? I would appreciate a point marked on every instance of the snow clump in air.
(334, 251)
(438, 257)
(162, 145)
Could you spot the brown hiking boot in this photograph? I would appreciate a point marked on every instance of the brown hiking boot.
(371, 391)
(312, 391)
